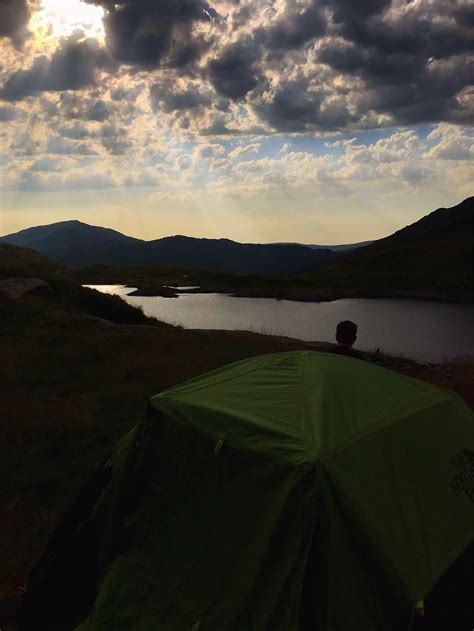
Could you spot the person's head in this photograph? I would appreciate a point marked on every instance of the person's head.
(346, 333)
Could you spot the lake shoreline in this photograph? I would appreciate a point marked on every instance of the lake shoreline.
(292, 295)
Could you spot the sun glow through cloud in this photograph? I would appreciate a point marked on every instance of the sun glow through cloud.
(63, 17)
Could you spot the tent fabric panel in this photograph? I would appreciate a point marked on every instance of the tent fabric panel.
(362, 591)
(397, 486)
(321, 401)
(261, 395)
(218, 539)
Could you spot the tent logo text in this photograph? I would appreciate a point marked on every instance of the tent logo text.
(463, 481)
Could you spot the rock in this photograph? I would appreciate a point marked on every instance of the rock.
(16, 287)
(165, 292)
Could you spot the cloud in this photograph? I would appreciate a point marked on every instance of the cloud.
(65, 146)
(72, 67)
(78, 106)
(184, 162)
(244, 150)
(220, 165)
(194, 87)
(413, 58)
(232, 73)
(453, 143)
(207, 151)
(31, 181)
(163, 96)
(291, 107)
(8, 114)
(294, 28)
(14, 16)
(48, 163)
(151, 32)
(114, 139)
(76, 131)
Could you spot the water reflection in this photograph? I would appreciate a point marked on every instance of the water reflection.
(427, 331)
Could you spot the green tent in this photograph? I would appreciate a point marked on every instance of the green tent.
(285, 488)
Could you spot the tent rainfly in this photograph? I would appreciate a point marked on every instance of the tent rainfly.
(288, 491)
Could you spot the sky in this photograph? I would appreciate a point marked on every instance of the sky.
(316, 121)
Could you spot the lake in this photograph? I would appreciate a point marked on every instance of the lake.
(423, 330)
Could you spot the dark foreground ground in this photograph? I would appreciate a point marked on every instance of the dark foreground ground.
(72, 385)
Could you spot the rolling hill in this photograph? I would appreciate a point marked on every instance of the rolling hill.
(79, 245)
(60, 292)
(433, 257)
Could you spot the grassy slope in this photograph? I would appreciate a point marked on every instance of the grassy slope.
(432, 258)
(66, 294)
(441, 268)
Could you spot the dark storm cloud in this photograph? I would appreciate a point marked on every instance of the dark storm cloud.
(294, 30)
(162, 97)
(72, 67)
(348, 11)
(14, 17)
(291, 108)
(385, 69)
(413, 62)
(431, 98)
(233, 73)
(306, 65)
(145, 32)
(464, 16)
(425, 36)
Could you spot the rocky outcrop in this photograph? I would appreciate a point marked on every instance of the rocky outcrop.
(15, 287)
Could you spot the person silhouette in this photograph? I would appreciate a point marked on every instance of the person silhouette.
(346, 335)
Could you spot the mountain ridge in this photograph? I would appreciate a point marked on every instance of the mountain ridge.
(78, 244)
(432, 255)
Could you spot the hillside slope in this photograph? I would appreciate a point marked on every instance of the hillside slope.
(434, 257)
(80, 245)
(61, 294)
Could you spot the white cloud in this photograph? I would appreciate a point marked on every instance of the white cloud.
(220, 165)
(454, 143)
(238, 152)
(207, 151)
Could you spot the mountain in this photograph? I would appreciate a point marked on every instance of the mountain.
(334, 248)
(433, 257)
(77, 244)
(68, 241)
